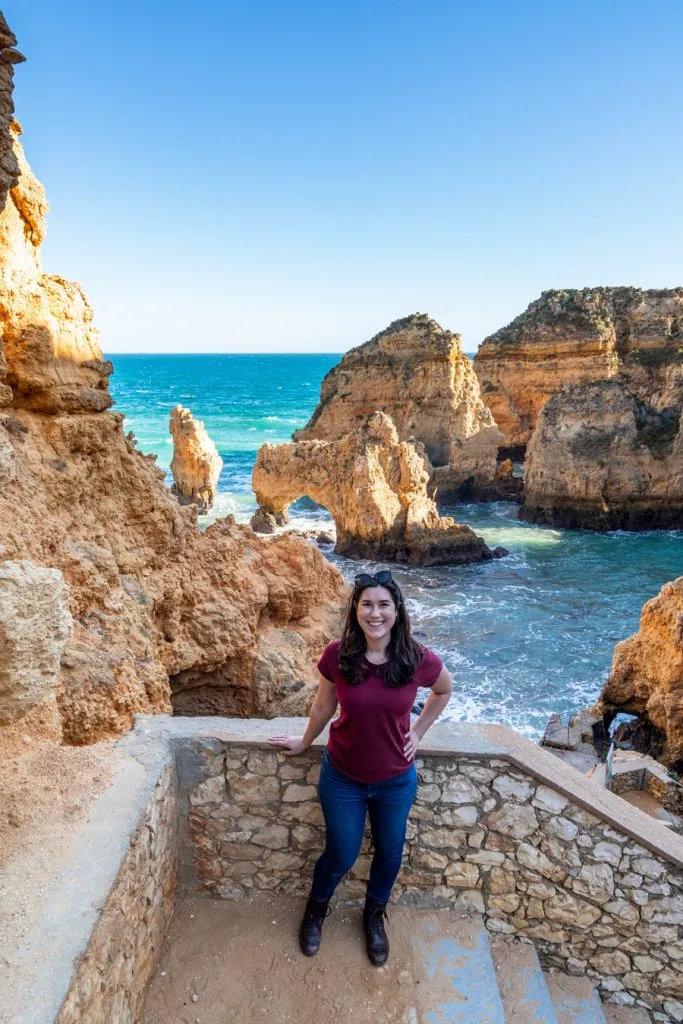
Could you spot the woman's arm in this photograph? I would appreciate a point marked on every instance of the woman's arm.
(324, 706)
(434, 705)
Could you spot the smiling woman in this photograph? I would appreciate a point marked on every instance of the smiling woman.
(372, 674)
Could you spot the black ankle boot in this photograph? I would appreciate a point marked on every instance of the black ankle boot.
(375, 935)
(312, 925)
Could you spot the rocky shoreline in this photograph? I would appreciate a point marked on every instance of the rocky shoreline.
(148, 613)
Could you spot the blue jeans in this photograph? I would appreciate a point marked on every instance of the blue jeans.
(344, 805)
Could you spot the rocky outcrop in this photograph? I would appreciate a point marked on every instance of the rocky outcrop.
(601, 459)
(579, 337)
(196, 465)
(9, 56)
(52, 361)
(34, 626)
(163, 614)
(647, 670)
(375, 487)
(415, 372)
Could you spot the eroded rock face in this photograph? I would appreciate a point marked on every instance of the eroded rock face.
(9, 56)
(415, 372)
(602, 459)
(375, 487)
(579, 337)
(34, 626)
(159, 608)
(52, 360)
(196, 465)
(647, 670)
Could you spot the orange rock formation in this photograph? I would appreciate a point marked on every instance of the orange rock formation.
(415, 372)
(647, 670)
(196, 465)
(163, 614)
(576, 337)
(375, 488)
(601, 459)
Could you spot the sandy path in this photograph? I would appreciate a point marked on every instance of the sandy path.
(242, 963)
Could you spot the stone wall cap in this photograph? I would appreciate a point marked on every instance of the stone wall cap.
(459, 738)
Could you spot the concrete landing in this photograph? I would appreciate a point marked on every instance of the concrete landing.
(575, 1000)
(238, 962)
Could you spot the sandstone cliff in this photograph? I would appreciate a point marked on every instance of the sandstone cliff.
(375, 488)
(602, 459)
(416, 373)
(578, 337)
(647, 670)
(196, 465)
(220, 622)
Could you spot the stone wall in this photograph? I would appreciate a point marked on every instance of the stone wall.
(524, 840)
(109, 980)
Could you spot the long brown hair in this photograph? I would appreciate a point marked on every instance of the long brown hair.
(404, 653)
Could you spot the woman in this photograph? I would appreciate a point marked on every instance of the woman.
(373, 673)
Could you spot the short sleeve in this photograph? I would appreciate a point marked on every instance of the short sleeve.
(429, 669)
(329, 661)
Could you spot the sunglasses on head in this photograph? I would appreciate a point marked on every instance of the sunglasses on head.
(379, 579)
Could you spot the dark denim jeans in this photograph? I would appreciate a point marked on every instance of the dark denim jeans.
(344, 805)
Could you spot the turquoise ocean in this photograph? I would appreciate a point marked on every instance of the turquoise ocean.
(523, 636)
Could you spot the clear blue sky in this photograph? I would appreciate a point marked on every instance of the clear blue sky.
(275, 175)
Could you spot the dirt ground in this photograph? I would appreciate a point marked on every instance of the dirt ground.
(238, 962)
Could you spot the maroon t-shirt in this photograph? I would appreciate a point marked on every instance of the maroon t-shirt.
(367, 739)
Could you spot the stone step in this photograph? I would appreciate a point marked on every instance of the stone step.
(575, 999)
(459, 972)
(522, 986)
(626, 1014)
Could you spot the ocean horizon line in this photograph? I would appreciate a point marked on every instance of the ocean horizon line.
(165, 355)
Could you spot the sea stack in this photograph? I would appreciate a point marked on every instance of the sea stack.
(196, 464)
(375, 488)
(416, 373)
(580, 336)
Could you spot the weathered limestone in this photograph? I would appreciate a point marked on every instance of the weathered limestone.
(375, 488)
(580, 337)
(601, 459)
(52, 358)
(647, 669)
(196, 464)
(416, 373)
(9, 56)
(34, 626)
(163, 614)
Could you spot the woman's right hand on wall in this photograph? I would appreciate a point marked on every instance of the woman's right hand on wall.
(290, 745)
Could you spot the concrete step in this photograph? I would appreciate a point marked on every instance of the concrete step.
(522, 986)
(459, 972)
(575, 1000)
(626, 1014)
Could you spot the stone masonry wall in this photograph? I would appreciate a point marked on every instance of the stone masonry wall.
(109, 981)
(484, 836)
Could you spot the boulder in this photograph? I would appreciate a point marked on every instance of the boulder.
(416, 373)
(34, 626)
(196, 465)
(375, 488)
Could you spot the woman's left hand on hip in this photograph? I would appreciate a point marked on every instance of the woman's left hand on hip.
(411, 744)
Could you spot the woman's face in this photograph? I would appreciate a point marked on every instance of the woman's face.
(376, 613)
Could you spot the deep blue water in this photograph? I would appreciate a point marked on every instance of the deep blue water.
(524, 636)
